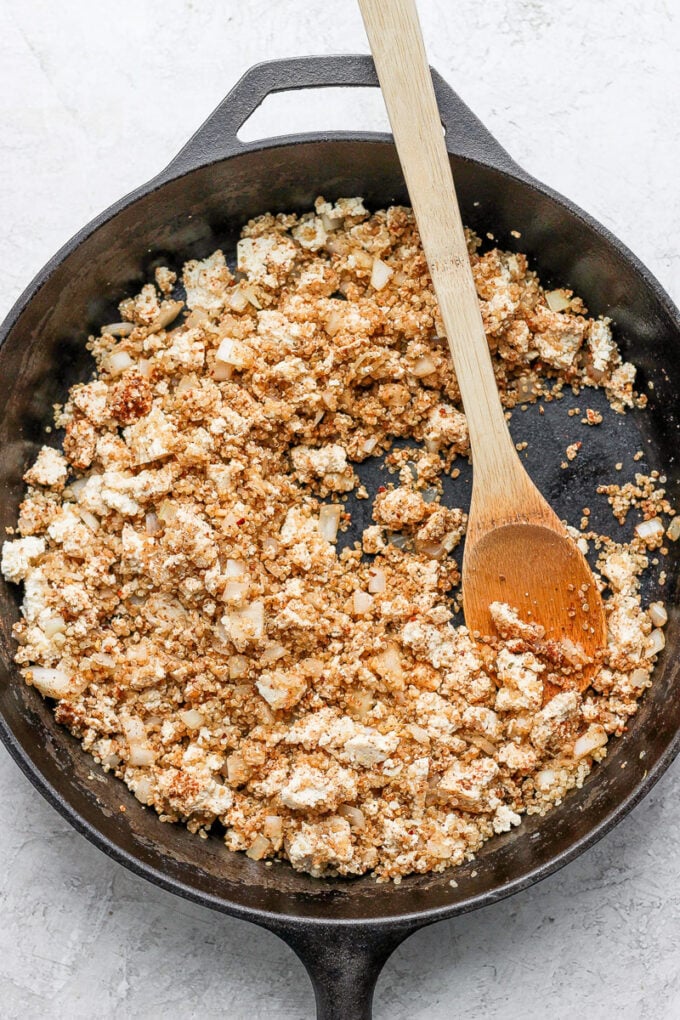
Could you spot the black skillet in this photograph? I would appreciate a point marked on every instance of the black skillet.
(342, 930)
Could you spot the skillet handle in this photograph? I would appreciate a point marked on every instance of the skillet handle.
(218, 138)
(343, 964)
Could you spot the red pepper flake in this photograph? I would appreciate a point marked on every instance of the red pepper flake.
(382, 488)
(241, 521)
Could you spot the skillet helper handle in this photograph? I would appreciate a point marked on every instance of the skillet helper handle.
(217, 138)
(343, 964)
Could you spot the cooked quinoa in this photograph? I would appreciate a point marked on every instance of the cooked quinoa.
(185, 601)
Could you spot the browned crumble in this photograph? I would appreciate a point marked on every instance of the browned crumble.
(184, 602)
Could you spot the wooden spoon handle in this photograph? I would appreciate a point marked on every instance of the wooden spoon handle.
(398, 50)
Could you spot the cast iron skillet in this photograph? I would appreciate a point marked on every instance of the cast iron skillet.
(342, 930)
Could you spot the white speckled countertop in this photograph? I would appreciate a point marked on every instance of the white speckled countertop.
(94, 99)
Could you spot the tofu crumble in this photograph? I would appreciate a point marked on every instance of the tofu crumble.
(185, 601)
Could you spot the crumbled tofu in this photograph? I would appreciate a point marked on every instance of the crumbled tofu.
(165, 279)
(151, 438)
(399, 507)
(265, 259)
(50, 469)
(505, 818)
(520, 678)
(559, 710)
(308, 788)
(466, 785)
(329, 463)
(19, 556)
(206, 283)
(281, 690)
(370, 747)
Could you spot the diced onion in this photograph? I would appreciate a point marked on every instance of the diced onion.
(271, 546)
(140, 755)
(331, 223)
(362, 603)
(117, 363)
(76, 487)
(89, 519)
(335, 321)
(398, 540)
(166, 315)
(273, 652)
(380, 274)
(236, 592)
(657, 614)
(355, 817)
(387, 663)
(152, 525)
(237, 770)
(235, 568)
(376, 581)
(639, 678)
(483, 743)
(649, 529)
(594, 737)
(55, 625)
(187, 383)
(238, 667)
(135, 733)
(360, 259)
(272, 828)
(557, 300)
(435, 550)
(259, 848)
(582, 545)
(119, 328)
(233, 352)
(369, 445)
(145, 368)
(143, 790)
(222, 372)
(674, 529)
(545, 779)
(102, 659)
(192, 718)
(329, 521)
(251, 295)
(247, 624)
(423, 366)
(237, 300)
(52, 683)
(418, 733)
(656, 643)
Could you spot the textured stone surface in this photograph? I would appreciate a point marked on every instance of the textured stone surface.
(95, 98)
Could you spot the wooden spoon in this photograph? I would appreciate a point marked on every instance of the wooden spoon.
(517, 551)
